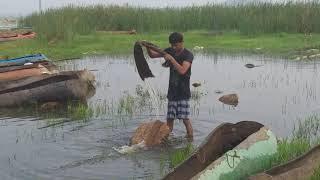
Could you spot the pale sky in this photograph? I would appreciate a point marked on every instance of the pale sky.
(23, 7)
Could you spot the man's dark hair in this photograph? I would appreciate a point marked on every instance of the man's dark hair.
(175, 37)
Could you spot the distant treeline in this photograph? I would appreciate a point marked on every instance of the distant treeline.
(248, 19)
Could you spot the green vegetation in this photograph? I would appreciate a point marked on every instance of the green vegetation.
(248, 19)
(316, 174)
(287, 150)
(179, 155)
(73, 32)
(305, 136)
(105, 43)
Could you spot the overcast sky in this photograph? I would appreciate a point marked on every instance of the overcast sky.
(23, 7)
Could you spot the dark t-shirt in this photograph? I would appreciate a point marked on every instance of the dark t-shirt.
(179, 85)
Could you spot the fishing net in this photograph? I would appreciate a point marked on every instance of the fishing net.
(141, 62)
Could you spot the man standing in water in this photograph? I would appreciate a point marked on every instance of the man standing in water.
(180, 61)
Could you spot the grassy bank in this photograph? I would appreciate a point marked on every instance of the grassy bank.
(71, 32)
(106, 43)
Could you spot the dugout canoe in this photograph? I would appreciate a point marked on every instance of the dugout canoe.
(59, 87)
(11, 35)
(30, 70)
(34, 58)
(47, 64)
(301, 168)
(210, 161)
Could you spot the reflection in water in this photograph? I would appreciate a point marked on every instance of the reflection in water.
(77, 141)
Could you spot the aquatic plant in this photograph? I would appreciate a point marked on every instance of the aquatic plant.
(179, 155)
(249, 18)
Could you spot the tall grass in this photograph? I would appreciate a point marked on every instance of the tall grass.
(254, 18)
(305, 136)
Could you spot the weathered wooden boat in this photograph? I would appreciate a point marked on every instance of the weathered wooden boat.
(30, 70)
(300, 168)
(9, 35)
(47, 64)
(224, 148)
(35, 58)
(60, 87)
(13, 33)
(129, 32)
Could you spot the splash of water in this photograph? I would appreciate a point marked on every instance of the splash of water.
(154, 96)
(130, 149)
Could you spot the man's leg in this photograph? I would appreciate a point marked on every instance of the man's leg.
(170, 124)
(187, 124)
(171, 113)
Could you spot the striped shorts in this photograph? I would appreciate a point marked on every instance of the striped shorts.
(178, 109)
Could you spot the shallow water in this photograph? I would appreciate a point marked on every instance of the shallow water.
(277, 94)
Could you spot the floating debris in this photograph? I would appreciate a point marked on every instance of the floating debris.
(252, 65)
(196, 84)
(198, 48)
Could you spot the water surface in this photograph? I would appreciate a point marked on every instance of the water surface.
(277, 94)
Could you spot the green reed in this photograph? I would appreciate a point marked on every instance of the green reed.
(179, 155)
(305, 136)
(254, 18)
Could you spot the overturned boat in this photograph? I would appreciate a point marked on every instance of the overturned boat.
(223, 150)
(59, 87)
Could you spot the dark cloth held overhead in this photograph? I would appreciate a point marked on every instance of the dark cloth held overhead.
(141, 63)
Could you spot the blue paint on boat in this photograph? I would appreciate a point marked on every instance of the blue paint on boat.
(24, 59)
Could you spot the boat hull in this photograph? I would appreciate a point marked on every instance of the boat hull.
(48, 88)
(258, 145)
(300, 168)
(22, 60)
(21, 73)
(222, 139)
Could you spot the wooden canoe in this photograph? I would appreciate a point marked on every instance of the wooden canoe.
(47, 64)
(298, 169)
(60, 87)
(30, 35)
(260, 144)
(222, 139)
(35, 58)
(33, 70)
(205, 162)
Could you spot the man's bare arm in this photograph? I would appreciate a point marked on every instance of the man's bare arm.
(181, 69)
(153, 54)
